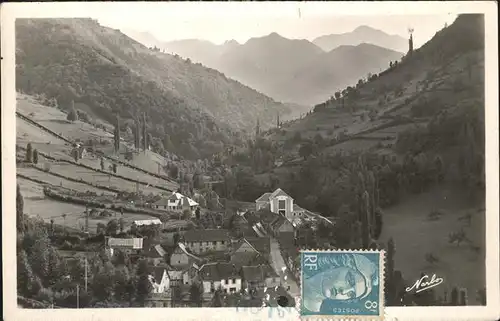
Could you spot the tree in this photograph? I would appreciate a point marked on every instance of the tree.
(72, 114)
(35, 156)
(378, 224)
(198, 213)
(114, 168)
(75, 153)
(112, 227)
(337, 95)
(306, 150)
(217, 299)
(116, 136)
(19, 210)
(167, 143)
(454, 297)
(25, 276)
(102, 163)
(195, 295)
(29, 153)
(143, 284)
(122, 224)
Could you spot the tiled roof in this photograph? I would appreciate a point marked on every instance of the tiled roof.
(277, 222)
(264, 197)
(206, 235)
(218, 271)
(258, 273)
(268, 217)
(260, 244)
(279, 192)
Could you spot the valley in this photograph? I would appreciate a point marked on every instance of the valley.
(375, 149)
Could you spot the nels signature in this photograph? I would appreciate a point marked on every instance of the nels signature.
(421, 284)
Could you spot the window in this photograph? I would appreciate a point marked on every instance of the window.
(214, 243)
(227, 281)
(281, 204)
(222, 242)
(234, 281)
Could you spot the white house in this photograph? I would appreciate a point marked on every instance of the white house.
(181, 257)
(280, 202)
(176, 202)
(220, 275)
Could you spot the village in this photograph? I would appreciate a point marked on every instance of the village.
(254, 261)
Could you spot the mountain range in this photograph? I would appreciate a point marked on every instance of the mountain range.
(293, 70)
(81, 61)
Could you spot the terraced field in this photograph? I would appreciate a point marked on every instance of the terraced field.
(59, 181)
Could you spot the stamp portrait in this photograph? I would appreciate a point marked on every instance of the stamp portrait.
(342, 283)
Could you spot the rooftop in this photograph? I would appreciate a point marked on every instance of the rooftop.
(258, 273)
(206, 235)
(147, 222)
(218, 271)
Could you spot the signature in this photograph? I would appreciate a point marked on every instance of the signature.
(421, 285)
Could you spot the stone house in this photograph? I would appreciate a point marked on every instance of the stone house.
(199, 241)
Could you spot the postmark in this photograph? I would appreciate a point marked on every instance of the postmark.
(342, 284)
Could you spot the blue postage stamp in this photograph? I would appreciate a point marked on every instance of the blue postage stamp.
(342, 284)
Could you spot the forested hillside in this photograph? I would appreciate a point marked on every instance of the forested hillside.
(106, 73)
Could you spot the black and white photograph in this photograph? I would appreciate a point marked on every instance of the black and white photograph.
(183, 159)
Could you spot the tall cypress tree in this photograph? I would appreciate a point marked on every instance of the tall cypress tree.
(117, 134)
(144, 133)
(137, 137)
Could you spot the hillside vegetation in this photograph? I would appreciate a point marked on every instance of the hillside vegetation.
(105, 72)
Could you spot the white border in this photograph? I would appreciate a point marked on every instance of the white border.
(9, 11)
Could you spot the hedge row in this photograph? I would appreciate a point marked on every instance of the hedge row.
(109, 189)
(81, 201)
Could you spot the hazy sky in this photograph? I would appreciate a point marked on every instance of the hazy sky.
(218, 22)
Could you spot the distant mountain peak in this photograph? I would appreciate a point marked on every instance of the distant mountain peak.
(365, 28)
(231, 42)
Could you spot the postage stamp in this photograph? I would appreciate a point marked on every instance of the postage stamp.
(342, 284)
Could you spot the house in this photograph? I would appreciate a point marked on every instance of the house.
(176, 202)
(181, 257)
(160, 280)
(220, 275)
(251, 250)
(282, 228)
(260, 276)
(155, 254)
(127, 245)
(199, 241)
(279, 202)
(147, 222)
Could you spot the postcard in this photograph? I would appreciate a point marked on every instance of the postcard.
(250, 161)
